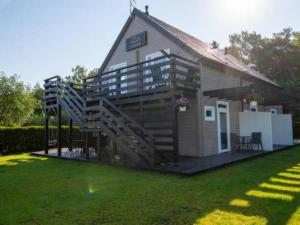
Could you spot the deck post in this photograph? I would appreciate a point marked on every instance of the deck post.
(176, 147)
(59, 139)
(70, 135)
(98, 147)
(175, 111)
(46, 134)
(87, 152)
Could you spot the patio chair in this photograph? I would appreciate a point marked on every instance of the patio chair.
(240, 142)
(256, 140)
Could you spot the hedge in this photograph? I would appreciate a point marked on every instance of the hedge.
(296, 130)
(28, 139)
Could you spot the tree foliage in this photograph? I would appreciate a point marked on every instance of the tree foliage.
(17, 103)
(79, 73)
(277, 57)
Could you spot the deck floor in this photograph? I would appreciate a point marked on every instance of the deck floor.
(186, 165)
(192, 165)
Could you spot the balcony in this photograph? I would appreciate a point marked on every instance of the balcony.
(163, 74)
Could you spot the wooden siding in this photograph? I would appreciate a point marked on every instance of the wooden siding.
(189, 132)
(211, 127)
(216, 79)
(187, 129)
(156, 42)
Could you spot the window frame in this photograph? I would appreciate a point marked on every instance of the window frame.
(213, 113)
(273, 111)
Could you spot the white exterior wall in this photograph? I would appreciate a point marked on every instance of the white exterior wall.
(275, 129)
(282, 128)
(257, 122)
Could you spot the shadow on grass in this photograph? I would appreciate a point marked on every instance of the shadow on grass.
(275, 200)
(261, 191)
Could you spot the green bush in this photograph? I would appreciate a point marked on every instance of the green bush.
(296, 130)
(28, 139)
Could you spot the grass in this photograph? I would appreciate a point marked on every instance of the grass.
(35, 190)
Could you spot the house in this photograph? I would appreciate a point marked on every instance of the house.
(149, 67)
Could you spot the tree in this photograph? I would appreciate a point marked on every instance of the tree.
(93, 72)
(277, 57)
(38, 94)
(16, 101)
(244, 46)
(79, 73)
(215, 44)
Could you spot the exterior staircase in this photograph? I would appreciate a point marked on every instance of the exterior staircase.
(131, 138)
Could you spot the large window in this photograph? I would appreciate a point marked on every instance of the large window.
(113, 80)
(151, 79)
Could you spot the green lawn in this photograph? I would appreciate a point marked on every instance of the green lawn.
(37, 190)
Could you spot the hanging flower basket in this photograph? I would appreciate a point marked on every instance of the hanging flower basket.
(183, 104)
(254, 99)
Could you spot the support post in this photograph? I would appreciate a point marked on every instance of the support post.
(87, 153)
(98, 147)
(176, 139)
(70, 135)
(59, 139)
(46, 134)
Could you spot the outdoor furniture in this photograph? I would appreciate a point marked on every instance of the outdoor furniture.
(92, 152)
(245, 143)
(256, 140)
(240, 142)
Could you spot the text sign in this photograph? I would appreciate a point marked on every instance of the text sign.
(136, 41)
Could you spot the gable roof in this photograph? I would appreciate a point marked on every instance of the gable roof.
(191, 44)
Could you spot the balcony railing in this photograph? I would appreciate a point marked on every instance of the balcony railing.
(159, 74)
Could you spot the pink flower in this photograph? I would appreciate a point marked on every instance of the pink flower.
(183, 102)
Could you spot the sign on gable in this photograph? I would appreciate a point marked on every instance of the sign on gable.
(136, 41)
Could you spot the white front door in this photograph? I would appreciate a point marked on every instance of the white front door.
(223, 119)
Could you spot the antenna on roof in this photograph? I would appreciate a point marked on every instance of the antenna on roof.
(131, 5)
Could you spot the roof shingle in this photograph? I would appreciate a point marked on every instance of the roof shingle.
(206, 50)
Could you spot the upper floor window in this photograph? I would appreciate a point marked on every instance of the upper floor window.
(114, 88)
(156, 75)
(273, 111)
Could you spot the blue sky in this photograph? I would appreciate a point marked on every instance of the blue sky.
(39, 39)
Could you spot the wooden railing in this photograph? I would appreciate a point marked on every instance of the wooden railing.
(162, 73)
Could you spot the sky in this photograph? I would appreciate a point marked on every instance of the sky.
(40, 38)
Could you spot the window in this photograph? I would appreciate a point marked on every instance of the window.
(253, 108)
(273, 111)
(115, 79)
(209, 113)
(157, 70)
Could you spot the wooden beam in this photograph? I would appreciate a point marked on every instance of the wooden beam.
(98, 147)
(46, 134)
(87, 155)
(70, 135)
(176, 139)
(59, 133)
